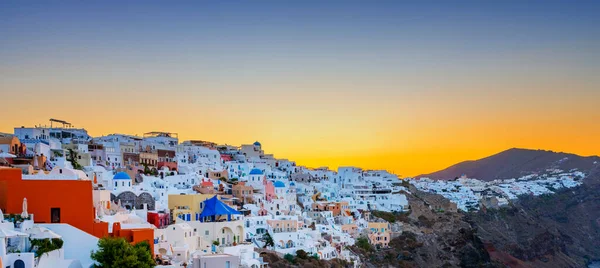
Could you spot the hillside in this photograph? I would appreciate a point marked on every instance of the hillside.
(429, 238)
(560, 230)
(514, 163)
(556, 230)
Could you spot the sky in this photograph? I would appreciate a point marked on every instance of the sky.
(407, 87)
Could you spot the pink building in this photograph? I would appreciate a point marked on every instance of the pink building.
(269, 190)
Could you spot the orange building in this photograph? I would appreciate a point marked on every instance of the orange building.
(50, 201)
(134, 236)
(335, 207)
(60, 201)
(11, 143)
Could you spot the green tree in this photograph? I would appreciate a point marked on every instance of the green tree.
(146, 169)
(268, 240)
(144, 256)
(73, 159)
(117, 253)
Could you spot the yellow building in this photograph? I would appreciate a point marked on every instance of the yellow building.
(379, 226)
(189, 203)
(379, 234)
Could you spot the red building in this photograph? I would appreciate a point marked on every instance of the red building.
(159, 219)
(166, 158)
(226, 157)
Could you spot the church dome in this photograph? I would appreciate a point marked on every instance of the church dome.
(121, 176)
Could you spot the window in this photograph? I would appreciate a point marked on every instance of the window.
(227, 264)
(55, 215)
(206, 232)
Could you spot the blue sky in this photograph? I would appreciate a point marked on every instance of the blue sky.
(377, 77)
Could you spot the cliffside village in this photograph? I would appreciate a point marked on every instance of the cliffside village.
(472, 194)
(196, 202)
(200, 203)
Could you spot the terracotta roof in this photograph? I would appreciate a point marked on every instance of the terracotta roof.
(7, 139)
(164, 153)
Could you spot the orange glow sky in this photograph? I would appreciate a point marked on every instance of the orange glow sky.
(324, 86)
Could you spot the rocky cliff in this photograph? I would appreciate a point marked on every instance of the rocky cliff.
(558, 230)
(429, 239)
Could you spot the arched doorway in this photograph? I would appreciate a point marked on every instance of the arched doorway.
(19, 264)
(239, 233)
(226, 235)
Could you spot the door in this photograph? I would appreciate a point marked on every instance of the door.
(55, 215)
(19, 264)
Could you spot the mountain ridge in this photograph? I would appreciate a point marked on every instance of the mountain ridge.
(513, 163)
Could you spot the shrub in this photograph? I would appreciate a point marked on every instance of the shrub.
(45, 245)
(388, 216)
(289, 257)
(301, 254)
(364, 244)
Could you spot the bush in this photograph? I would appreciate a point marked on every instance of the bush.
(387, 216)
(289, 257)
(57, 242)
(45, 245)
(364, 244)
(301, 254)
